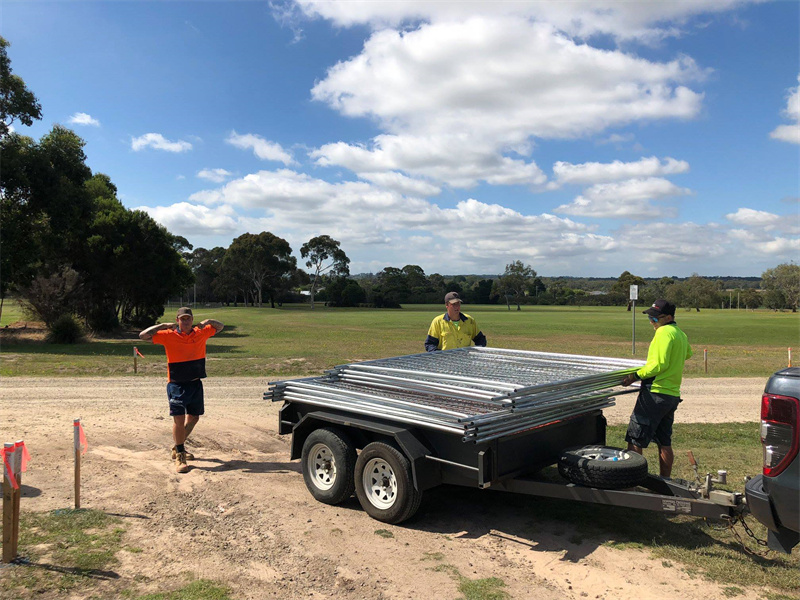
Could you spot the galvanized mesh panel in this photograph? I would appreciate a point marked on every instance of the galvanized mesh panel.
(481, 393)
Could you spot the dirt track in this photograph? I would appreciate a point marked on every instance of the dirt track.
(242, 515)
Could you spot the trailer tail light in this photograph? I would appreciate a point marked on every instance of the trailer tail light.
(780, 432)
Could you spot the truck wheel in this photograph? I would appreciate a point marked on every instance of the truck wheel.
(384, 484)
(328, 460)
(603, 467)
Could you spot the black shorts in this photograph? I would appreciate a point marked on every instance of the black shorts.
(652, 419)
(185, 398)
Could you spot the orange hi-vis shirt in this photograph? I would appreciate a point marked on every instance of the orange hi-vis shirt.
(186, 352)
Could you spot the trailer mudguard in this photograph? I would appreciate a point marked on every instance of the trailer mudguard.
(427, 474)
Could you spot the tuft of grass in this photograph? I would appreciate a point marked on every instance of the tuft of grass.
(432, 556)
(63, 550)
(384, 533)
(731, 591)
(488, 588)
(200, 589)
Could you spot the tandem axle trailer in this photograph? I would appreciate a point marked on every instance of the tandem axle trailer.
(389, 458)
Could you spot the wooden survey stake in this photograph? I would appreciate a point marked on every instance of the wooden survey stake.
(8, 504)
(76, 441)
(16, 466)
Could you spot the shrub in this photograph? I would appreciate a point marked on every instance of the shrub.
(66, 329)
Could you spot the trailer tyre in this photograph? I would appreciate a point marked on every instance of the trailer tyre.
(603, 467)
(385, 485)
(328, 460)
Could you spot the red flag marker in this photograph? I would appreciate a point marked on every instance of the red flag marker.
(81, 436)
(5, 452)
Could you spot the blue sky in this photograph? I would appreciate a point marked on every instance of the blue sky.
(583, 138)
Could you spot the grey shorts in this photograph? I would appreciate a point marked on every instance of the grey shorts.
(652, 419)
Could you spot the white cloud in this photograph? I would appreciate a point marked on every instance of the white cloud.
(80, 118)
(790, 133)
(215, 175)
(263, 149)
(187, 219)
(462, 102)
(616, 139)
(362, 215)
(665, 243)
(380, 227)
(401, 184)
(626, 199)
(158, 142)
(478, 75)
(456, 160)
(765, 245)
(754, 218)
(593, 172)
(645, 21)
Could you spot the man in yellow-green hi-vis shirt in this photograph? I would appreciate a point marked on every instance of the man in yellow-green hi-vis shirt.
(453, 329)
(660, 393)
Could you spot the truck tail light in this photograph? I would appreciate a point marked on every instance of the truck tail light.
(780, 432)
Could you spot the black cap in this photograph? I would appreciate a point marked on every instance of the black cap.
(185, 310)
(660, 307)
(452, 296)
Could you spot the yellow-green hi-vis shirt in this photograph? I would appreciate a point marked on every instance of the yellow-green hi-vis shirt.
(444, 334)
(668, 351)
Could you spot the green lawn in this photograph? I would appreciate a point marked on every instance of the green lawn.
(293, 340)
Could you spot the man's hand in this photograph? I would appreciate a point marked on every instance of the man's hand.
(629, 379)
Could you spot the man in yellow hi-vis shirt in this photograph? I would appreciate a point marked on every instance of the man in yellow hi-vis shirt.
(453, 329)
(660, 393)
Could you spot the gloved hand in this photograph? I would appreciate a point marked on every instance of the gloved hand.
(629, 379)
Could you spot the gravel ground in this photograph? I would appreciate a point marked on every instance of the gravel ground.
(242, 515)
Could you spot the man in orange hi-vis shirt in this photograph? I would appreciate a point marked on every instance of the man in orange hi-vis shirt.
(186, 361)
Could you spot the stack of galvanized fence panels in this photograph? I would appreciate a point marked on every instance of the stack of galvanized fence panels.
(478, 393)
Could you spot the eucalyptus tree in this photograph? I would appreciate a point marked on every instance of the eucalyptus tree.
(324, 257)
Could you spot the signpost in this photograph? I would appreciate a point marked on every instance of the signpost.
(634, 297)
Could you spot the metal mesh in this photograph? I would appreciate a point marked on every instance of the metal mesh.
(480, 393)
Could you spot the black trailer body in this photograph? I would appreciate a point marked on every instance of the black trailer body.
(441, 458)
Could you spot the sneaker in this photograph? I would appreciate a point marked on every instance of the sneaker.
(180, 463)
(189, 455)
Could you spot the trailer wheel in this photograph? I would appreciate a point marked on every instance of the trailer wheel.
(385, 485)
(328, 460)
(603, 467)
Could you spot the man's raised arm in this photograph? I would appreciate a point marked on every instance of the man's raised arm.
(214, 323)
(148, 333)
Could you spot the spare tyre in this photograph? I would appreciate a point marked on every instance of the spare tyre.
(603, 467)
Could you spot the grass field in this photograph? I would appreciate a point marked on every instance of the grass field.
(293, 340)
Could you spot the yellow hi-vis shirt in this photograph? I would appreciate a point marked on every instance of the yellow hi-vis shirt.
(665, 357)
(451, 335)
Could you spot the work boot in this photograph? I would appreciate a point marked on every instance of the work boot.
(180, 463)
(189, 455)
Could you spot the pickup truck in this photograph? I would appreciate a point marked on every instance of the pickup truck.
(774, 496)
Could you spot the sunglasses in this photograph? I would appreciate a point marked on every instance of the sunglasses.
(652, 319)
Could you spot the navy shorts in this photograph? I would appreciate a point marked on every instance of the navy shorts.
(185, 398)
(652, 419)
